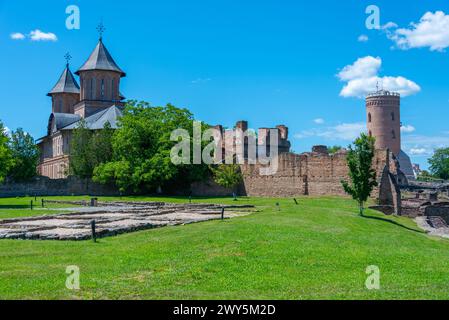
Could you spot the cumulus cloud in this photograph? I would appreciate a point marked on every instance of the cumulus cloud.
(38, 35)
(422, 145)
(408, 129)
(319, 121)
(344, 131)
(17, 36)
(363, 38)
(431, 31)
(362, 77)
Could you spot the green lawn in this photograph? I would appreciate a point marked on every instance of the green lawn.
(318, 249)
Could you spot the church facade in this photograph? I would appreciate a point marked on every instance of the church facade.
(96, 100)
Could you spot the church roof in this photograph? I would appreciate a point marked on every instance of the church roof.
(101, 59)
(58, 121)
(99, 119)
(66, 83)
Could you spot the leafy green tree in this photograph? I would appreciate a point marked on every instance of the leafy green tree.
(361, 173)
(89, 149)
(439, 163)
(6, 159)
(334, 149)
(142, 146)
(228, 176)
(25, 154)
(81, 162)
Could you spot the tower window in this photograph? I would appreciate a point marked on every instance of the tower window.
(369, 117)
(102, 89)
(370, 133)
(392, 116)
(393, 134)
(113, 89)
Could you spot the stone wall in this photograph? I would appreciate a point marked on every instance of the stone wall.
(43, 186)
(316, 173)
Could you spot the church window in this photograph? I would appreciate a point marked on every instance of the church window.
(102, 89)
(91, 95)
(113, 89)
(369, 117)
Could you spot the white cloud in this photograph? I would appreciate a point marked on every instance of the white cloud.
(344, 131)
(363, 38)
(421, 145)
(38, 35)
(17, 36)
(431, 31)
(319, 121)
(408, 129)
(418, 151)
(363, 68)
(362, 78)
(389, 25)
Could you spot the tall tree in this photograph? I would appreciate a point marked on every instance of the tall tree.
(142, 146)
(439, 163)
(25, 154)
(361, 173)
(6, 159)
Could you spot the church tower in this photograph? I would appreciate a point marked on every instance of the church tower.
(100, 82)
(384, 119)
(66, 93)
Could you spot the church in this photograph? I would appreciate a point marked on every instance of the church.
(96, 99)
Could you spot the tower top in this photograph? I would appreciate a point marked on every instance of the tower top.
(67, 57)
(100, 59)
(383, 93)
(66, 83)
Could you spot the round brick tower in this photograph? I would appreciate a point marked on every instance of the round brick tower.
(384, 119)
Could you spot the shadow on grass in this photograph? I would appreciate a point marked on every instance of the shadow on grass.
(15, 206)
(394, 222)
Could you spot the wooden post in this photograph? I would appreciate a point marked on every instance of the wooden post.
(94, 233)
(43, 201)
(296, 201)
(278, 205)
(31, 205)
(222, 213)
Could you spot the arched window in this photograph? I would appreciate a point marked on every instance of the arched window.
(369, 117)
(102, 89)
(393, 134)
(392, 116)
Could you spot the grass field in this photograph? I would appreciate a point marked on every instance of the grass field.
(318, 249)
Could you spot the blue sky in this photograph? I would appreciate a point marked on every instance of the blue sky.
(270, 62)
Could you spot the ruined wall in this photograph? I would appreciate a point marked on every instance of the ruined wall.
(43, 186)
(314, 173)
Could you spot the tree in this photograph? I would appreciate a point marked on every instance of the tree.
(361, 173)
(141, 149)
(439, 163)
(334, 149)
(25, 154)
(6, 159)
(89, 149)
(228, 176)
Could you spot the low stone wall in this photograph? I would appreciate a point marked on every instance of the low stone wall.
(43, 186)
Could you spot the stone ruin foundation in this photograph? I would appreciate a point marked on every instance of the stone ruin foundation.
(113, 218)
